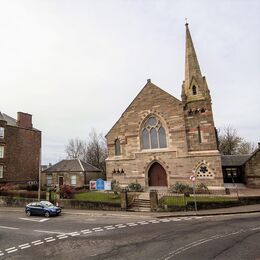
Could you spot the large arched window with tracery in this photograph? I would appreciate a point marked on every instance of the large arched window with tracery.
(153, 135)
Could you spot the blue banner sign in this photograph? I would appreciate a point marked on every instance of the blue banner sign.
(100, 184)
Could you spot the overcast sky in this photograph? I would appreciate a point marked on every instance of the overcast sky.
(76, 65)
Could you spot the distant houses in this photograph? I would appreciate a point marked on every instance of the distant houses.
(20, 150)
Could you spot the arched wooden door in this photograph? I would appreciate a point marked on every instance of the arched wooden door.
(157, 175)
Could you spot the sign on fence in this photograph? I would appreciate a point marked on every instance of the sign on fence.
(99, 184)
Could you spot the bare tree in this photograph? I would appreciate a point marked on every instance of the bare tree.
(76, 149)
(96, 150)
(231, 143)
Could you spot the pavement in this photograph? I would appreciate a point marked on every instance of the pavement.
(223, 211)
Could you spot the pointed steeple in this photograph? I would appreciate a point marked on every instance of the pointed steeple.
(194, 86)
(192, 68)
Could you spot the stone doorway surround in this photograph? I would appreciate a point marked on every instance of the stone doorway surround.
(157, 175)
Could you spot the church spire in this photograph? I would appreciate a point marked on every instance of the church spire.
(195, 86)
(192, 68)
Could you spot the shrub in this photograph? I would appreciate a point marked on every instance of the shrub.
(115, 187)
(181, 188)
(66, 191)
(202, 189)
(135, 186)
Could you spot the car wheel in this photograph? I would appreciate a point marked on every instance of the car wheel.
(28, 213)
(47, 214)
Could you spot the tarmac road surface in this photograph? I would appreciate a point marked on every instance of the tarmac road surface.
(122, 236)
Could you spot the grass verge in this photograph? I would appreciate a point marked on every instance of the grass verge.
(95, 196)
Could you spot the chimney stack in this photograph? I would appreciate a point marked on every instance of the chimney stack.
(24, 120)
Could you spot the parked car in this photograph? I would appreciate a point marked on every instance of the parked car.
(44, 208)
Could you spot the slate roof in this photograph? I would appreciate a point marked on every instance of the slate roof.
(10, 121)
(71, 165)
(234, 160)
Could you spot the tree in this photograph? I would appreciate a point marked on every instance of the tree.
(76, 149)
(97, 150)
(231, 143)
(94, 151)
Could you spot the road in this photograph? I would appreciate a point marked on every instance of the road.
(122, 236)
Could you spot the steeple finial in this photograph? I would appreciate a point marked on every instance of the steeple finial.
(186, 21)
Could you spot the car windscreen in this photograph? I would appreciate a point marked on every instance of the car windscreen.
(47, 204)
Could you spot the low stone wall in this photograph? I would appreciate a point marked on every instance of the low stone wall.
(13, 202)
(6, 201)
(81, 204)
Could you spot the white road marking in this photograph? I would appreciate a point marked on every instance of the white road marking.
(87, 232)
(132, 224)
(11, 248)
(1, 254)
(47, 238)
(154, 221)
(123, 226)
(9, 227)
(74, 234)
(8, 252)
(23, 245)
(50, 240)
(63, 237)
(255, 228)
(84, 230)
(35, 219)
(50, 232)
(36, 241)
(176, 219)
(165, 220)
(110, 228)
(98, 230)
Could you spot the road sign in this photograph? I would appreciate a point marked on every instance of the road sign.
(192, 178)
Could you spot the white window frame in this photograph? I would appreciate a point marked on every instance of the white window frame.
(2, 151)
(73, 180)
(2, 132)
(1, 171)
(49, 180)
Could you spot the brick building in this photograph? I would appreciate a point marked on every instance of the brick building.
(20, 146)
(160, 140)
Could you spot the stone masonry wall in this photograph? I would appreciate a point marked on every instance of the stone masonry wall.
(252, 170)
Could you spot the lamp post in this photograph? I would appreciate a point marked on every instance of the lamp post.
(193, 179)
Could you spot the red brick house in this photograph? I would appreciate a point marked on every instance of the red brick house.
(20, 146)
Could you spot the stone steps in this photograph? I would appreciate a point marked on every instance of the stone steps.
(140, 205)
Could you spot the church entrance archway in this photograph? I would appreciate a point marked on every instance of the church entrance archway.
(157, 175)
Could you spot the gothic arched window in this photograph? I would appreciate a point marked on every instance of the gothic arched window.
(194, 90)
(117, 147)
(153, 135)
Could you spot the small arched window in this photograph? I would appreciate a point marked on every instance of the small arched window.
(117, 147)
(194, 90)
(153, 135)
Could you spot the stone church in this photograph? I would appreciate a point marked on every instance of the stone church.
(160, 140)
